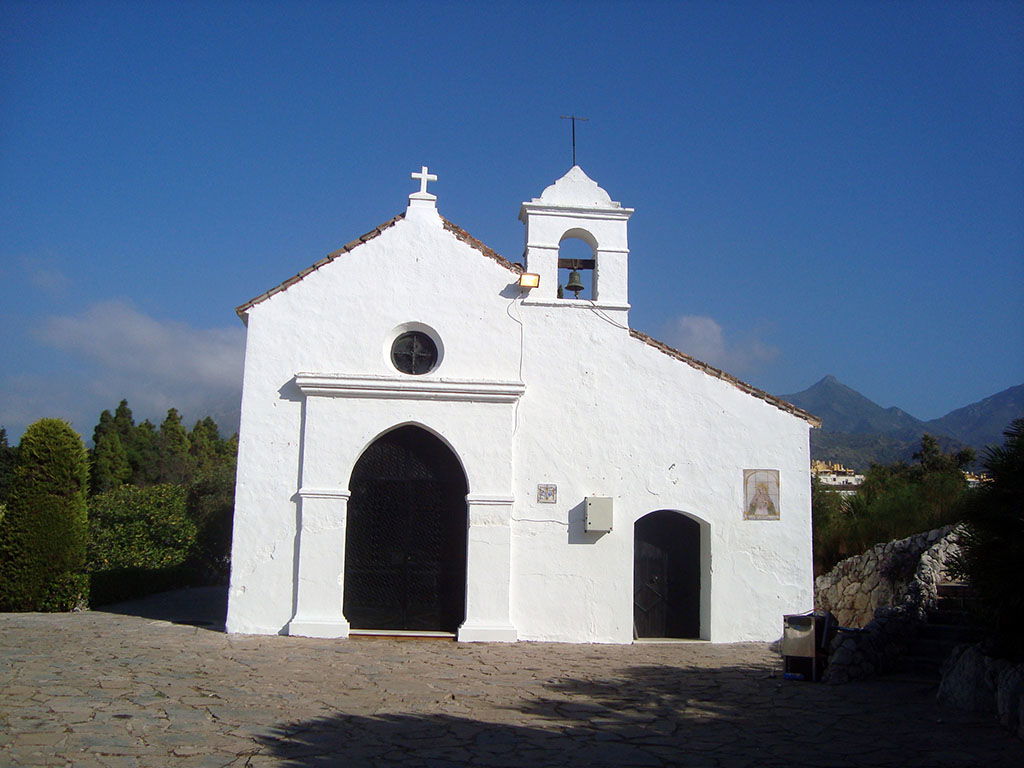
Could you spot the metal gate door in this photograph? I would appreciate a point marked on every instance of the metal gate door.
(405, 550)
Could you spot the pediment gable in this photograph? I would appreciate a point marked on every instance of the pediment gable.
(456, 231)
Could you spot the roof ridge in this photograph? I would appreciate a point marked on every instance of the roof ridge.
(693, 362)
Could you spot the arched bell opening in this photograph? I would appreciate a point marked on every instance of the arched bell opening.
(577, 275)
(405, 541)
(669, 576)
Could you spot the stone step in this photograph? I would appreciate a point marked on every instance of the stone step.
(921, 666)
(949, 633)
(962, 604)
(943, 616)
(926, 678)
(929, 649)
(924, 646)
(953, 589)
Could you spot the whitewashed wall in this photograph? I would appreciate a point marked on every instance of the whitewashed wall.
(602, 413)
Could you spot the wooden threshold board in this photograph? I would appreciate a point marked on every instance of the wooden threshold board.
(423, 633)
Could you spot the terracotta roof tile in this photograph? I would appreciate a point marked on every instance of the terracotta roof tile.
(242, 309)
(719, 374)
(468, 239)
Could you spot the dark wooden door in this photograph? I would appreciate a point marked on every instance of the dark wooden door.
(666, 576)
(650, 590)
(405, 548)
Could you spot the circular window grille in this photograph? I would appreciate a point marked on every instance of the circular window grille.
(414, 352)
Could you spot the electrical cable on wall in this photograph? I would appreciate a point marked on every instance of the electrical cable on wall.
(522, 349)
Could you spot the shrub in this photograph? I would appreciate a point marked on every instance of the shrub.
(828, 524)
(991, 547)
(44, 534)
(141, 539)
(211, 505)
(895, 501)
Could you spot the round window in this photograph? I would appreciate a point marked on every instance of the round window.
(414, 352)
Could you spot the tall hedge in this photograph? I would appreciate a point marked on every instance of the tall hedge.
(44, 533)
(141, 539)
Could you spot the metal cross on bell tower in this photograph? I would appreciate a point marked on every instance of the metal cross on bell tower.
(574, 118)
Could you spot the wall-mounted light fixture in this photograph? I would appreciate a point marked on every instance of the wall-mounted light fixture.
(529, 280)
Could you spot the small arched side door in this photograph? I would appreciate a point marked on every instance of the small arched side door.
(666, 576)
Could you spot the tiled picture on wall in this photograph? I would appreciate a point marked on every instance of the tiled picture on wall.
(760, 494)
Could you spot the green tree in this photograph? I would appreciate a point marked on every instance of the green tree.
(931, 459)
(123, 422)
(43, 539)
(894, 501)
(110, 467)
(172, 445)
(206, 449)
(144, 454)
(829, 524)
(211, 505)
(8, 458)
(103, 427)
(991, 547)
(140, 540)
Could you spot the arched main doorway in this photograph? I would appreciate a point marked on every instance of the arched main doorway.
(405, 542)
(666, 575)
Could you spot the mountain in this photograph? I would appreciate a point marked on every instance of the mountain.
(858, 432)
(982, 423)
(843, 409)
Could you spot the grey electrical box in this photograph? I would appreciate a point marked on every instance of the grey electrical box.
(599, 514)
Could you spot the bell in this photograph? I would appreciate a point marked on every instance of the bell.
(575, 284)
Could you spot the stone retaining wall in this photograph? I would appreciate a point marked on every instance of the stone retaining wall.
(979, 683)
(886, 576)
(886, 592)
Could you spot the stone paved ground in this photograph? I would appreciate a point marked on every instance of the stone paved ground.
(105, 689)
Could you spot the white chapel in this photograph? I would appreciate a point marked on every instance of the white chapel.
(436, 440)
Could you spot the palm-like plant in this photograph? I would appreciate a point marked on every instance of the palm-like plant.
(992, 544)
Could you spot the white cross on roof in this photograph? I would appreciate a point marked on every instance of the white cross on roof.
(424, 177)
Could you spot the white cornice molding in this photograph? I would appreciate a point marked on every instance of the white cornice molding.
(541, 209)
(324, 493)
(580, 303)
(489, 500)
(408, 388)
(557, 246)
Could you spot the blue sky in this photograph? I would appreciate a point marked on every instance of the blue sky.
(819, 187)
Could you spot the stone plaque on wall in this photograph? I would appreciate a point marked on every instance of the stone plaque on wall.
(547, 493)
(761, 494)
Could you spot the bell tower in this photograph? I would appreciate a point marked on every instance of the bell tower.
(576, 207)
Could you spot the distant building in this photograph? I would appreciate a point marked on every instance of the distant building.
(974, 480)
(836, 477)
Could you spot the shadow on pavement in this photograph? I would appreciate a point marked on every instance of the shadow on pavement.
(203, 607)
(652, 716)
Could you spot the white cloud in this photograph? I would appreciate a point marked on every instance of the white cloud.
(703, 338)
(128, 343)
(113, 351)
(46, 277)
